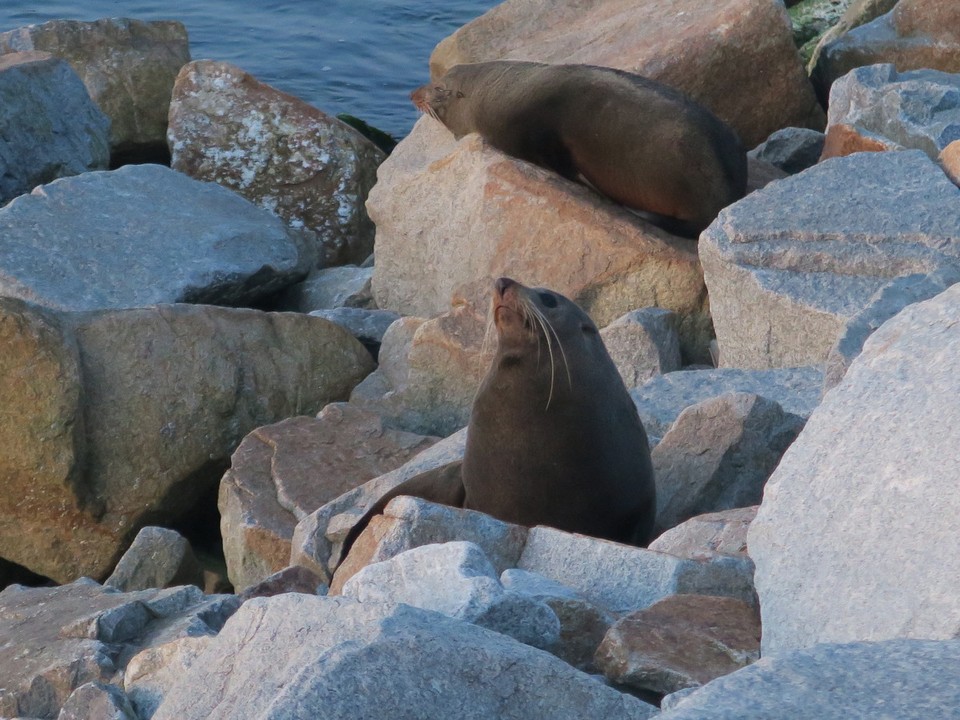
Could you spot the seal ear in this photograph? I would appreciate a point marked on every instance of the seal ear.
(589, 329)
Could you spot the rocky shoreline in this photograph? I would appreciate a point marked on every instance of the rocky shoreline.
(232, 324)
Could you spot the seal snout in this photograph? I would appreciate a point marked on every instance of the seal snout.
(502, 284)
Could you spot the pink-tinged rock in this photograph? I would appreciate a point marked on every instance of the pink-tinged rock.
(277, 151)
(469, 214)
(283, 472)
(683, 641)
(950, 161)
(128, 67)
(429, 372)
(117, 419)
(737, 57)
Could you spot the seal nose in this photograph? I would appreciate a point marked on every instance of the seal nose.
(502, 284)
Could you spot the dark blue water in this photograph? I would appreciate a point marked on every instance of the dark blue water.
(361, 57)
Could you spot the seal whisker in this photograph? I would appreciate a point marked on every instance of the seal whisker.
(563, 354)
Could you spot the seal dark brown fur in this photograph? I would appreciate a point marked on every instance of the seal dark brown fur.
(554, 438)
(640, 143)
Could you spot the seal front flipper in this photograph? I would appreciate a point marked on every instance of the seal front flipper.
(442, 486)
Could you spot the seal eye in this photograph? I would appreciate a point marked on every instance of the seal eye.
(459, 94)
(548, 300)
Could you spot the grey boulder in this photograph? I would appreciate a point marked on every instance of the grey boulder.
(297, 656)
(51, 127)
(141, 235)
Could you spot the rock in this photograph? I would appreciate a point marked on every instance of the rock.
(128, 67)
(621, 578)
(643, 343)
(130, 416)
(281, 473)
(721, 533)
(781, 295)
(409, 522)
(736, 57)
(152, 671)
(950, 161)
(97, 700)
(318, 538)
(51, 128)
(279, 152)
(295, 578)
(718, 455)
(429, 372)
(908, 679)
(141, 235)
(858, 12)
(53, 640)
(473, 214)
(919, 109)
(292, 652)
(791, 149)
(885, 303)
(158, 558)
(843, 536)
(457, 580)
(914, 34)
(367, 326)
(347, 286)
(661, 400)
(582, 624)
(680, 642)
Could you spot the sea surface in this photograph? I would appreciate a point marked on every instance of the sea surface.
(361, 57)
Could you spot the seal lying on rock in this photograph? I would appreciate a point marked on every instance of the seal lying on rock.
(554, 437)
(640, 143)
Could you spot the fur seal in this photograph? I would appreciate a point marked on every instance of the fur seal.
(554, 437)
(642, 144)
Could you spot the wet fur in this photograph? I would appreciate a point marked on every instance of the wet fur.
(640, 143)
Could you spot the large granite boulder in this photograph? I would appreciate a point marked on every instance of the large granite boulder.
(54, 640)
(309, 168)
(51, 128)
(128, 67)
(784, 284)
(296, 655)
(845, 540)
(141, 235)
(118, 419)
(919, 109)
(737, 57)
(283, 472)
(473, 214)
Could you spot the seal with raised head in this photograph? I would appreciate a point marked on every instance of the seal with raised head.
(554, 437)
(643, 144)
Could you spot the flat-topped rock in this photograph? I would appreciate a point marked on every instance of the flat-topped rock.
(781, 291)
(142, 235)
